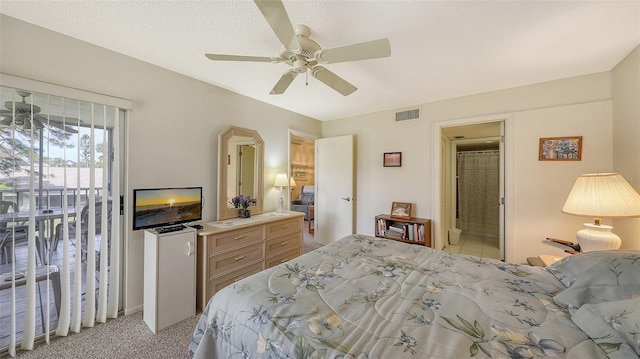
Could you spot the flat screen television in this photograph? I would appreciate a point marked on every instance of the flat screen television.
(160, 207)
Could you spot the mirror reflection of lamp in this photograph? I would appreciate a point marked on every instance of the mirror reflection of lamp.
(281, 181)
(601, 195)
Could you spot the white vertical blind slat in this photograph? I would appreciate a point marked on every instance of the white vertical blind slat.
(12, 334)
(104, 227)
(65, 272)
(90, 289)
(76, 318)
(28, 335)
(114, 277)
(47, 318)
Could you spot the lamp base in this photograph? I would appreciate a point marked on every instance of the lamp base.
(281, 205)
(597, 238)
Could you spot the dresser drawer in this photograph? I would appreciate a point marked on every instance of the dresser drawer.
(216, 284)
(227, 261)
(283, 227)
(282, 244)
(234, 239)
(281, 258)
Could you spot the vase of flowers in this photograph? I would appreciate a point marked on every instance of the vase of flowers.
(242, 203)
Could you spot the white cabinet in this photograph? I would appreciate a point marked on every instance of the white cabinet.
(169, 277)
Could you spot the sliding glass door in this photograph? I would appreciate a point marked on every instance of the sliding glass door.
(60, 227)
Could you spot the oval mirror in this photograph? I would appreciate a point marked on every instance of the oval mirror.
(240, 170)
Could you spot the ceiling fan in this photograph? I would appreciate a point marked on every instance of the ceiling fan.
(304, 54)
(28, 115)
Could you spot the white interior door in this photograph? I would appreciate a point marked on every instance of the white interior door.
(334, 202)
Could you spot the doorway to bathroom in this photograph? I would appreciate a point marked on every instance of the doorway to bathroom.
(474, 175)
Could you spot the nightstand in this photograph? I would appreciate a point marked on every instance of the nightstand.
(543, 260)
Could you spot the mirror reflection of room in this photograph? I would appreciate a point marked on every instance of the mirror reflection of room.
(241, 177)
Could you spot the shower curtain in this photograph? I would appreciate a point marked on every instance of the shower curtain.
(478, 192)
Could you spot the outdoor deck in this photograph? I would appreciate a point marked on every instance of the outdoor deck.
(41, 296)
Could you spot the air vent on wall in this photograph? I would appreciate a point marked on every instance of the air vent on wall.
(408, 115)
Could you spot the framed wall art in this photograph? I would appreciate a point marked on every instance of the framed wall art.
(392, 159)
(401, 210)
(299, 173)
(560, 149)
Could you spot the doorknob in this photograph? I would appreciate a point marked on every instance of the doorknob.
(347, 199)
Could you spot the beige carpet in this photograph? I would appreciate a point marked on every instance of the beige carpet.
(128, 336)
(124, 337)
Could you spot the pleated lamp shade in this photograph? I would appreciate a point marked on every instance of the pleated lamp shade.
(601, 195)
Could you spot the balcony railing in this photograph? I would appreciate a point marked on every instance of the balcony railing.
(49, 198)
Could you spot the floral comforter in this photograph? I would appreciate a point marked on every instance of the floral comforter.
(365, 297)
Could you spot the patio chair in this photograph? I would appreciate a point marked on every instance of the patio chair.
(10, 232)
(84, 228)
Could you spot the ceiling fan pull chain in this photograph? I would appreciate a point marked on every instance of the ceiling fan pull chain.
(306, 77)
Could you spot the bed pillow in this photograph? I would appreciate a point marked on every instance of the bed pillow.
(597, 277)
(614, 326)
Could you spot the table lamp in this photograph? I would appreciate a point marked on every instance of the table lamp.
(281, 181)
(601, 195)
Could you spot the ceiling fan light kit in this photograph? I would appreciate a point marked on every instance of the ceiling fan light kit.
(304, 54)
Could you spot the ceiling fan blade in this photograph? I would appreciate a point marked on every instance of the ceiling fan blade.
(283, 83)
(276, 15)
(221, 57)
(62, 127)
(332, 80)
(7, 118)
(58, 122)
(361, 51)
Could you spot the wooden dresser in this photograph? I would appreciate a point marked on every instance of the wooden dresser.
(232, 249)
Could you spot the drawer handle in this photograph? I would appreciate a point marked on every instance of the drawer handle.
(237, 279)
(284, 243)
(239, 237)
(238, 258)
(284, 260)
(285, 226)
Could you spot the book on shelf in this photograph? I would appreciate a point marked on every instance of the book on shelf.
(412, 232)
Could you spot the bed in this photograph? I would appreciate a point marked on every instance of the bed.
(366, 297)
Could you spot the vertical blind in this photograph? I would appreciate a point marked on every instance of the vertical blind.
(60, 166)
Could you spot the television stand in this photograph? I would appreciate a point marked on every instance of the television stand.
(167, 229)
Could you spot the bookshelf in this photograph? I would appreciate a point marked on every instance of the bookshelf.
(411, 230)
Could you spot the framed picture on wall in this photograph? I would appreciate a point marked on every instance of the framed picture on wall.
(401, 210)
(560, 149)
(299, 173)
(392, 159)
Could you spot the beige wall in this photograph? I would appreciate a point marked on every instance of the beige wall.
(578, 106)
(626, 134)
(174, 123)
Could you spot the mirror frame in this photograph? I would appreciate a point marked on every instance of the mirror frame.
(224, 212)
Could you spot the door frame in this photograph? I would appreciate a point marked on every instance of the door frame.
(441, 159)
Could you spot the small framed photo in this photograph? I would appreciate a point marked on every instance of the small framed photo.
(392, 159)
(560, 149)
(401, 210)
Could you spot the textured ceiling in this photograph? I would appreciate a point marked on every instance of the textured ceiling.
(439, 49)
